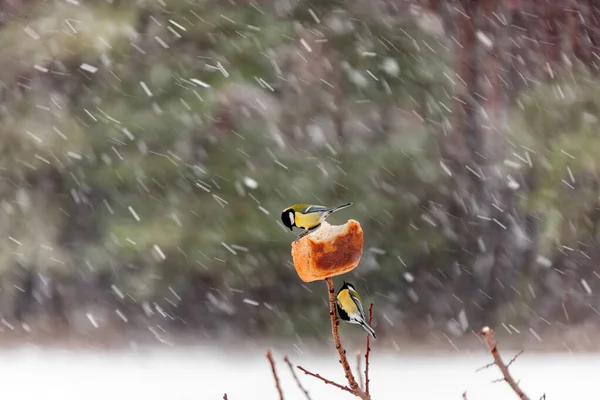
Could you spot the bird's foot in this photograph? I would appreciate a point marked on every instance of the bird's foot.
(307, 231)
(302, 234)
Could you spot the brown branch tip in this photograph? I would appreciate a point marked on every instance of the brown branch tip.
(488, 336)
(272, 362)
(225, 396)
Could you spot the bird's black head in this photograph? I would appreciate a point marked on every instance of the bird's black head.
(346, 285)
(288, 217)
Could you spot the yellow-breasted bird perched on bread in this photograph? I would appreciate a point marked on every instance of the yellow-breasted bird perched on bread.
(350, 309)
(307, 217)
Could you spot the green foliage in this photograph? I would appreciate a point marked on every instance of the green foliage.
(131, 122)
(556, 128)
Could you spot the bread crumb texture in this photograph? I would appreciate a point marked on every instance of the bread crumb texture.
(329, 251)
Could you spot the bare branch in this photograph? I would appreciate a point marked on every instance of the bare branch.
(368, 351)
(327, 381)
(272, 362)
(488, 335)
(361, 384)
(357, 391)
(289, 363)
(352, 385)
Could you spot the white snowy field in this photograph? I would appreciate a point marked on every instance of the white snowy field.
(200, 373)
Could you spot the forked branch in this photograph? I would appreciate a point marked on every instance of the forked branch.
(357, 391)
(352, 385)
(488, 335)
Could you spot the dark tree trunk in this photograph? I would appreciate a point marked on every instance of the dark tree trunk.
(502, 47)
(24, 299)
(57, 308)
(488, 258)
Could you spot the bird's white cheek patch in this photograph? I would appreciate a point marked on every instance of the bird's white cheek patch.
(291, 215)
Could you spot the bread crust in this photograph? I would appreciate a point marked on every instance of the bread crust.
(317, 259)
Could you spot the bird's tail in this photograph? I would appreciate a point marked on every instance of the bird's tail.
(337, 208)
(368, 329)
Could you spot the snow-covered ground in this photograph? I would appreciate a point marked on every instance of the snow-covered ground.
(203, 373)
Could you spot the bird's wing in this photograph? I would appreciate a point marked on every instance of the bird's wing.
(311, 209)
(356, 299)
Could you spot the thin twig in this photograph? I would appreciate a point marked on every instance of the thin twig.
(488, 335)
(514, 358)
(327, 381)
(289, 363)
(368, 351)
(485, 366)
(272, 362)
(361, 384)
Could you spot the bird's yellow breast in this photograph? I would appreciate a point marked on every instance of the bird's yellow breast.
(347, 303)
(307, 221)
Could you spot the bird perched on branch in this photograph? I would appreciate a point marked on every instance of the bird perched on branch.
(350, 309)
(307, 217)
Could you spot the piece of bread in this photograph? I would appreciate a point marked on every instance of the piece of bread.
(329, 251)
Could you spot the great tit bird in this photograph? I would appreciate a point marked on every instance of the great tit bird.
(350, 309)
(307, 217)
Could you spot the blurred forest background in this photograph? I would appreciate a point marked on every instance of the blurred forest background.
(148, 148)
